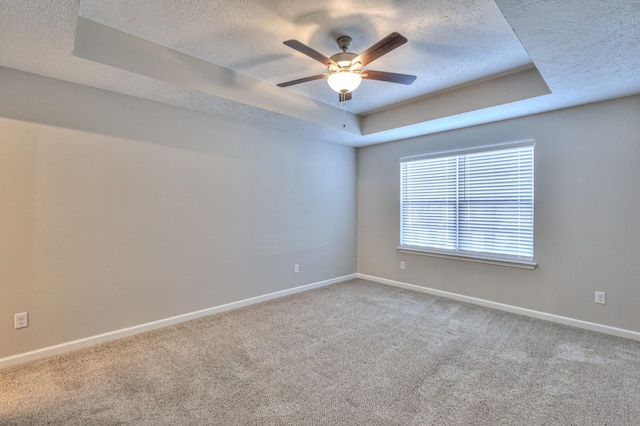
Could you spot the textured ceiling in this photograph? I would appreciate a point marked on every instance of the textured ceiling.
(247, 36)
(584, 50)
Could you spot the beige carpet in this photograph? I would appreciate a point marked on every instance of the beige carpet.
(356, 353)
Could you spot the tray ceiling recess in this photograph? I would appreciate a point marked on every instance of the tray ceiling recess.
(475, 62)
(109, 46)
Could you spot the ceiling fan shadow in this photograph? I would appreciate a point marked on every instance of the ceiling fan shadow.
(330, 24)
(256, 62)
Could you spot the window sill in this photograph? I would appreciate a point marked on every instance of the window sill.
(501, 261)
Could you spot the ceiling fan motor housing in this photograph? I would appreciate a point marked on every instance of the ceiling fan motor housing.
(343, 59)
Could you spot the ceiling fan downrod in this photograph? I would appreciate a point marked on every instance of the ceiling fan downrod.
(344, 42)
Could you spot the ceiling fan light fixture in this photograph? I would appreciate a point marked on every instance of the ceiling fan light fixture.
(345, 69)
(344, 81)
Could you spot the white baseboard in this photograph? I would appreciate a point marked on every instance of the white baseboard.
(620, 332)
(117, 334)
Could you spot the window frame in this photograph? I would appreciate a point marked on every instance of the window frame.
(525, 262)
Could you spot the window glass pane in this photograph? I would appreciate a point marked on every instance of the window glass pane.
(429, 203)
(475, 202)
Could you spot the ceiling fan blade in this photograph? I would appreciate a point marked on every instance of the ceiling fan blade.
(382, 47)
(313, 54)
(389, 76)
(303, 80)
(344, 97)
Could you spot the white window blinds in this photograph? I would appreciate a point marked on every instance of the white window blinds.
(477, 201)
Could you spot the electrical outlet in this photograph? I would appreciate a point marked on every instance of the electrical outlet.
(296, 269)
(401, 265)
(21, 320)
(600, 297)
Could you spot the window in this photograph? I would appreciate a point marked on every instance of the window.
(476, 203)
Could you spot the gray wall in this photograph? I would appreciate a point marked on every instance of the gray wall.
(118, 211)
(587, 207)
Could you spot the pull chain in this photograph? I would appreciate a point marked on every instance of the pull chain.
(343, 115)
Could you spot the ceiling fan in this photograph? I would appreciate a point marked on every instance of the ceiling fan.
(345, 68)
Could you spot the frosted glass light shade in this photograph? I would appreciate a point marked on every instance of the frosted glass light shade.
(344, 81)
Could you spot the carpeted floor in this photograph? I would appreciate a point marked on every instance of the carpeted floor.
(355, 353)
